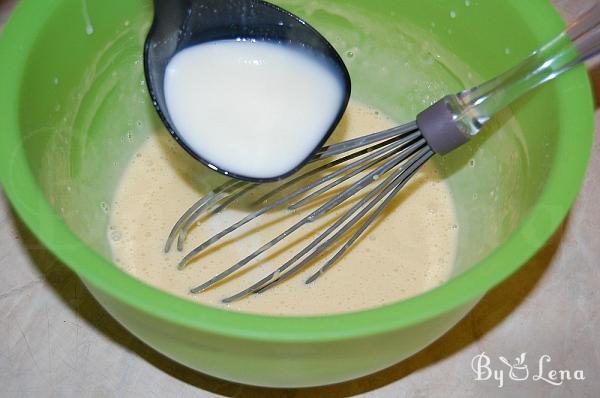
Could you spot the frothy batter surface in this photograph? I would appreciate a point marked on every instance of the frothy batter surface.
(409, 250)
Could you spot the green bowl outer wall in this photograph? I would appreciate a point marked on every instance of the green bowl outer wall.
(290, 351)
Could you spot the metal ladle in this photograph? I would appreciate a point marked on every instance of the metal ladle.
(179, 24)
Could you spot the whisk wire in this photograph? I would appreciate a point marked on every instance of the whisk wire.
(348, 145)
(404, 178)
(235, 197)
(209, 198)
(333, 163)
(328, 206)
(287, 198)
(278, 275)
(230, 191)
(205, 208)
(389, 150)
(404, 173)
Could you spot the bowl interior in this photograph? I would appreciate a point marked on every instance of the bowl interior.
(84, 110)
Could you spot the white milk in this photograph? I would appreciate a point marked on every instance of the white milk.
(253, 108)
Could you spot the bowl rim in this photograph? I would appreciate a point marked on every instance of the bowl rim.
(575, 105)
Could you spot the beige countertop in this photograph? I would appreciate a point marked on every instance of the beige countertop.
(56, 341)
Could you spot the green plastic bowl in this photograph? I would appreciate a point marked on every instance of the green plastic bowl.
(73, 109)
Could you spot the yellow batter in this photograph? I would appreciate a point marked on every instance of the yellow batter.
(409, 250)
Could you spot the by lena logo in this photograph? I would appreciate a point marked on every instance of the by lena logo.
(519, 371)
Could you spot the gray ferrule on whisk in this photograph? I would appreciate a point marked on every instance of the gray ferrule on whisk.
(438, 125)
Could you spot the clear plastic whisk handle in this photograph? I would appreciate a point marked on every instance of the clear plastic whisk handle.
(580, 41)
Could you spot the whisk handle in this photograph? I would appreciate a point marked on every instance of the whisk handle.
(463, 115)
(584, 32)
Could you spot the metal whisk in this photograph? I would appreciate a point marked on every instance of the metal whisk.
(383, 161)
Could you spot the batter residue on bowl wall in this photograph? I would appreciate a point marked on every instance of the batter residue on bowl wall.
(411, 248)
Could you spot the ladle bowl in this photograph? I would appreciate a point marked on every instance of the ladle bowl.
(180, 24)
